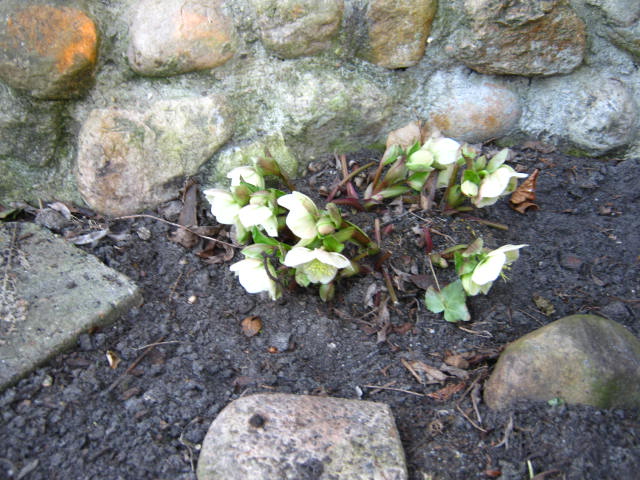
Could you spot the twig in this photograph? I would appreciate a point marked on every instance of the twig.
(143, 215)
(158, 343)
(381, 387)
(135, 363)
(505, 437)
(347, 178)
(488, 223)
(433, 272)
(475, 425)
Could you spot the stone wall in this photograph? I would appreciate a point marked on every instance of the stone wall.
(116, 101)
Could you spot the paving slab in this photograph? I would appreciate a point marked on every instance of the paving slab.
(50, 292)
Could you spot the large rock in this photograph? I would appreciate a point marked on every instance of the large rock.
(169, 37)
(330, 111)
(519, 38)
(282, 436)
(129, 160)
(30, 131)
(397, 31)
(470, 107)
(589, 112)
(581, 359)
(47, 49)
(295, 28)
(622, 22)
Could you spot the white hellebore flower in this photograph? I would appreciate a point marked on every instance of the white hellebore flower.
(246, 174)
(303, 215)
(315, 266)
(489, 268)
(258, 213)
(499, 182)
(254, 278)
(223, 205)
(445, 151)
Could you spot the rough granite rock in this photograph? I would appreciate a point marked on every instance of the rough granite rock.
(283, 436)
(519, 38)
(582, 359)
(47, 49)
(589, 112)
(30, 131)
(129, 160)
(170, 37)
(397, 31)
(471, 107)
(295, 28)
(622, 23)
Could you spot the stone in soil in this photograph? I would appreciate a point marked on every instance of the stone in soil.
(267, 436)
(581, 359)
(50, 292)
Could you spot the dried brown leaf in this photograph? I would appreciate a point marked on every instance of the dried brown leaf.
(445, 393)
(544, 305)
(457, 361)
(434, 375)
(113, 359)
(523, 197)
(251, 326)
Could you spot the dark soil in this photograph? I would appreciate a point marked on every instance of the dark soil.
(78, 418)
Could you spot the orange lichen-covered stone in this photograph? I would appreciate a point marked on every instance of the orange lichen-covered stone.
(50, 51)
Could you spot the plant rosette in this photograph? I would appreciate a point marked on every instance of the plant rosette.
(479, 270)
(484, 183)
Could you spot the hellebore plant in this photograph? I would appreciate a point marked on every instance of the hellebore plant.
(432, 164)
(291, 237)
(477, 269)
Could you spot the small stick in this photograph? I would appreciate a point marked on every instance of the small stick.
(475, 425)
(142, 215)
(381, 387)
(499, 226)
(135, 363)
(347, 178)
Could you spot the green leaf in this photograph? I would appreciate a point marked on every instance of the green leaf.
(471, 176)
(327, 291)
(414, 148)
(395, 152)
(331, 244)
(451, 300)
(259, 237)
(498, 159)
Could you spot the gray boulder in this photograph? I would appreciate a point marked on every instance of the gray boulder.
(582, 359)
(283, 436)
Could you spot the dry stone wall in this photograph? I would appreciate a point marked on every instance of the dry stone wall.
(115, 102)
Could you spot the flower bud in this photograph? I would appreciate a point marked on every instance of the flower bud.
(325, 226)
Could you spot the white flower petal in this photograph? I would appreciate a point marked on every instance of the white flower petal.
(332, 258)
(302, 224)
(489, 269)
(223, 206)
(469, 188)
(298, 256)
(445, 150)
(496, 183)
(247, 174)
(298, 201)
(253, 276)
(251, 215)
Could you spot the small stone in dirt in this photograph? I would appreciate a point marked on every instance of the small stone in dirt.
(581, 359)
(267, 436)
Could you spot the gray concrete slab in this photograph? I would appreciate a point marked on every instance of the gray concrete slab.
(50, 292)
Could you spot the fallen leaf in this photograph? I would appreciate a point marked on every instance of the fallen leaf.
(62, 208)
(188, 217)
(457, 361)
(544, 305)
(416, 367)
(113, 359)
(90, 237)
(445, 393)
(251, 326)
(523, 197)
(539, 146)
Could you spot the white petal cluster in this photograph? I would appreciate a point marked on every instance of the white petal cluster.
(303, 215)
(489, 269)
(253, 276)
(317, 265)
(246, 174)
